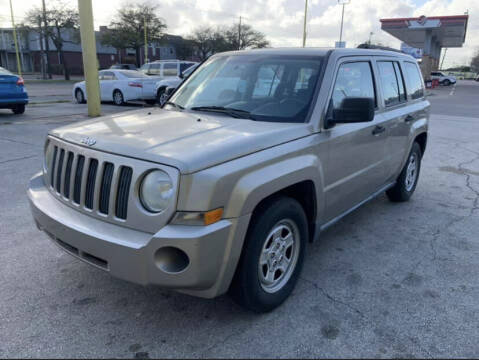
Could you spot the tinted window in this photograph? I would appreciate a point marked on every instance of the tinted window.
(155, 69)
(184, 66)
(389, 83)
(413, 80)
(4, 71)
(170, 69)
(353, 80)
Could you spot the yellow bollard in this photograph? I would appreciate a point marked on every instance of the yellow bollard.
(88, 43)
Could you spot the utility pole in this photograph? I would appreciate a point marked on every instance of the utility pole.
(239, 33)
(145, 26)
(15, 40)
(305, 22)
(90, 65)
(42, 50)
(47, 41)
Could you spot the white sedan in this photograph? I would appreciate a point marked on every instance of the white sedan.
(121, 86)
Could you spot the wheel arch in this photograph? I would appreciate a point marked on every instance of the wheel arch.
(421, 139)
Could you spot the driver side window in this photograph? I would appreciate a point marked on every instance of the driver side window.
(354, 79)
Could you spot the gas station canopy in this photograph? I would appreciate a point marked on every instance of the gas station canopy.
(430, 34)
(447, 31)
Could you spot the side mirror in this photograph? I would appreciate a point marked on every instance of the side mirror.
(352, 110)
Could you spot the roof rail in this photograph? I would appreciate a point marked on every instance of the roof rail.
(377, 47)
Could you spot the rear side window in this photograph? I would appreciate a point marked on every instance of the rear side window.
(392, 82)
(354, 79)
(155, 69)
(170, 69)
(413, 80)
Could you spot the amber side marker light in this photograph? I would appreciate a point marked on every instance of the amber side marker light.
(213, 216)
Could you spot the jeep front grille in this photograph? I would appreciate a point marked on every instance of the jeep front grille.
(91, 182)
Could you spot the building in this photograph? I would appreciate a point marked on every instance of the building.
(30, 51)
(431, 34)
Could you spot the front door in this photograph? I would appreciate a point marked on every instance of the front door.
(355, 167)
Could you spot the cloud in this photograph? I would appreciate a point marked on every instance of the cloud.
(282, 20)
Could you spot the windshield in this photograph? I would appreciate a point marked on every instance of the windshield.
(133, 74)
(265, 87)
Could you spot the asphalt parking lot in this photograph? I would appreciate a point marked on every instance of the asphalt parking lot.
(389, 280)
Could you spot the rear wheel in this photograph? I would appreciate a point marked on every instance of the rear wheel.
(160, 96)
(18, 109)
(407, 180)
(118, 97)
(79, 96)
(272, 256)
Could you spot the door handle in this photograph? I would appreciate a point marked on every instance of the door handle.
(378, 129)
(409, 118)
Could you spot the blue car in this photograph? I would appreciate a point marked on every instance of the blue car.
(12, 92)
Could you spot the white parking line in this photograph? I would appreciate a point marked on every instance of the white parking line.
(453, 90)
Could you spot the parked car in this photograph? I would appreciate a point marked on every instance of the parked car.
(223, 187)
(166, 68)
(12, 92)
(123, 67)
(120, 86)
(444, 79)
(171, 83)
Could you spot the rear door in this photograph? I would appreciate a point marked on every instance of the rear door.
(355, 167)
(396, 113)
(107, 84)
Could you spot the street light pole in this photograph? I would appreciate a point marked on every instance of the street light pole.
(344, 3)
(305, 22)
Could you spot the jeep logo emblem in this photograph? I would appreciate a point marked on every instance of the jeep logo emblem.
(88, 141)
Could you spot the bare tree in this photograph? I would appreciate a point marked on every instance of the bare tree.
(128, 27)
(61, 27)
(244, 37)
(208, 41)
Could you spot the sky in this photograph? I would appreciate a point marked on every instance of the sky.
(282, 20)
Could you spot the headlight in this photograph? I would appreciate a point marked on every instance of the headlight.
(156, 191)
(47, 164)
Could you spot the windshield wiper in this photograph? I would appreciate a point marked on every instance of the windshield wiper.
(236, 113)
(175, 105)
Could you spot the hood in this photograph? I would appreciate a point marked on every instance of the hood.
(187, 141)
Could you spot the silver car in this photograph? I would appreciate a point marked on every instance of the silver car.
(253, 156)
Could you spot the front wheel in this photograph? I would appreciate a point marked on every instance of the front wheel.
(407, 180)
(18, 109)
(160, 96)
(118, 98)
(272, 256)
(446, 82)
(79, 96)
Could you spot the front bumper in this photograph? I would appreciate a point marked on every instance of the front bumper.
(213, 251)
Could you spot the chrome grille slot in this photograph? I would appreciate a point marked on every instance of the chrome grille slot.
(105, 189)
(78, 179)
(68, 171)
(123, 192)
(59, 170)
(90, 184)
(52, 171)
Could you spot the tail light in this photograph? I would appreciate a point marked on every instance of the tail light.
(135, 84)
(20, 81)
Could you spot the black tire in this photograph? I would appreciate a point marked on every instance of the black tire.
(159, 95)
(118, 98)
(150, 102)
(18, 109)
(247, 288)
(79, 96)
(446, 82)
(404, 188)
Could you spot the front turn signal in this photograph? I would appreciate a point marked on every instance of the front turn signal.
(198, 218)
